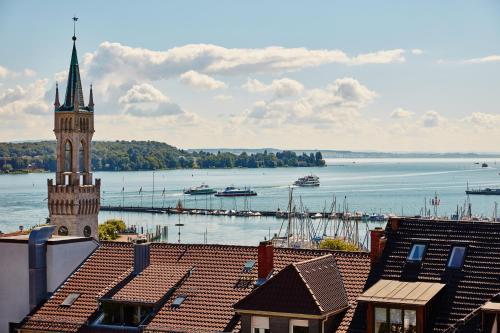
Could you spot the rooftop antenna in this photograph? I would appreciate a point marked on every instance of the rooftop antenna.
(74, 27)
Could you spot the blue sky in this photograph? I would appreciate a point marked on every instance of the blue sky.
(361, 75)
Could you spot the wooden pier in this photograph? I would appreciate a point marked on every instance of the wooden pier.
(222, 212)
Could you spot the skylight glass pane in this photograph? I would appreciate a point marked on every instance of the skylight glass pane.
(417, 252)
(70, 299)
(178, 301)
(457, 257)
(249, 265)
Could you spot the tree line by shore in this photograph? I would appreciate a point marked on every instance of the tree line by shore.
(147, 155)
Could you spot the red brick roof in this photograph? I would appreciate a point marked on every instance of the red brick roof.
(312, 287)
(466, 289)
(108, 265)
(151, 285)
(216, 284)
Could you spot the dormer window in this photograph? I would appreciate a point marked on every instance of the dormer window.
(417, 252)
(457, 256)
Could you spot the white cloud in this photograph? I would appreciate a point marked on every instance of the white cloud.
(222, 98)
(344, 92)
(379, 57)
(21, 101)
(400, 113)
(486, 59)
(117, 61)
(280, 88)
(143, 93)
(144, 100)
(417, 51)
(201, 81)
(336, 105)
(484, 120)
(7, 73)
(432, 119)
(3, 72)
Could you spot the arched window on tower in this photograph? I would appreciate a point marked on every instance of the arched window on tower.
(81, 162)
(67, 156)
(81, 157)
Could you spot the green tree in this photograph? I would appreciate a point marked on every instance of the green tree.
(7, 167)
(110, 229)
(337, 244)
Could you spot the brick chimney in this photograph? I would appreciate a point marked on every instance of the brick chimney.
(265, 260)
(377, 244)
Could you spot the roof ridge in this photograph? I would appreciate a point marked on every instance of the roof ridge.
(314, 259)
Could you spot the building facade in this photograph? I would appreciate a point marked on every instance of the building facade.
(37, 265)
(74, 200)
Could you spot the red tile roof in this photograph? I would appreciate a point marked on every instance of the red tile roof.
(152, 284)
(108, 265)
(216, 284)
(311, 287)
(466, 289)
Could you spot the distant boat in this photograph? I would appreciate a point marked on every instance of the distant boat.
(232, 191)
(485, 191)
(200, 190)
(484, 165)
(307, 181)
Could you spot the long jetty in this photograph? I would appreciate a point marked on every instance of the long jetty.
(222, 212)
(195, 211)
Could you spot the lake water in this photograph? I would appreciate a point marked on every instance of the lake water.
(397, 186)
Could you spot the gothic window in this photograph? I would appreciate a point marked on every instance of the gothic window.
(87, 231)
(67, 156)
(81, 157)
(63, 231)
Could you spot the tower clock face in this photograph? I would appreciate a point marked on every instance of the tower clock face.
(63, 231)
(87, 231)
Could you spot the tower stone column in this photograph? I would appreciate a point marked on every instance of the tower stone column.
(74, 199)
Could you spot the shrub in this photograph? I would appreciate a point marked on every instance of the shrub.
(109, 230)
(337, 244)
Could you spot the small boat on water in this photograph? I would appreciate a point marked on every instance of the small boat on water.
(484, 165)
(484, 191)
(307, 181)
(232, 191)
(200, 190)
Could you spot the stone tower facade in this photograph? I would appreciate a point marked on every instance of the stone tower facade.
(74, 200)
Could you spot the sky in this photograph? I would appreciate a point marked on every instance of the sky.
(352, 75)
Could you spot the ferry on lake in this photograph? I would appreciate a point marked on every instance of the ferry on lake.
(484, 191)
(200, 190)
(307, 181)
(232, 191)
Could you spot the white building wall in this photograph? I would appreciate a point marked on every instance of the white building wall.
(64, 258)
(14, 283)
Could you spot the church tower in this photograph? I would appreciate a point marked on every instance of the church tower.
(74, 200)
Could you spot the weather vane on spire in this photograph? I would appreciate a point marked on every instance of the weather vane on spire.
(74, 27)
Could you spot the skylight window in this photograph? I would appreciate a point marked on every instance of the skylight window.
(248, 266)
(70, 299)
(457, 257)
(417, 252)
(178, 301)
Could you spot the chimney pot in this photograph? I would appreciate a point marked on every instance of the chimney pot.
(265, 260)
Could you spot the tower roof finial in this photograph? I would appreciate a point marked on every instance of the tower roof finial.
(74, 94)
(91, 99)
(74, 27)
(56, 101)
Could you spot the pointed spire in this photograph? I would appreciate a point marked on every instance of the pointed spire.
(56, 101)
(91, 99)
(74, 94)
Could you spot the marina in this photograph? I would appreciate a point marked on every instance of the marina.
(374, 188)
